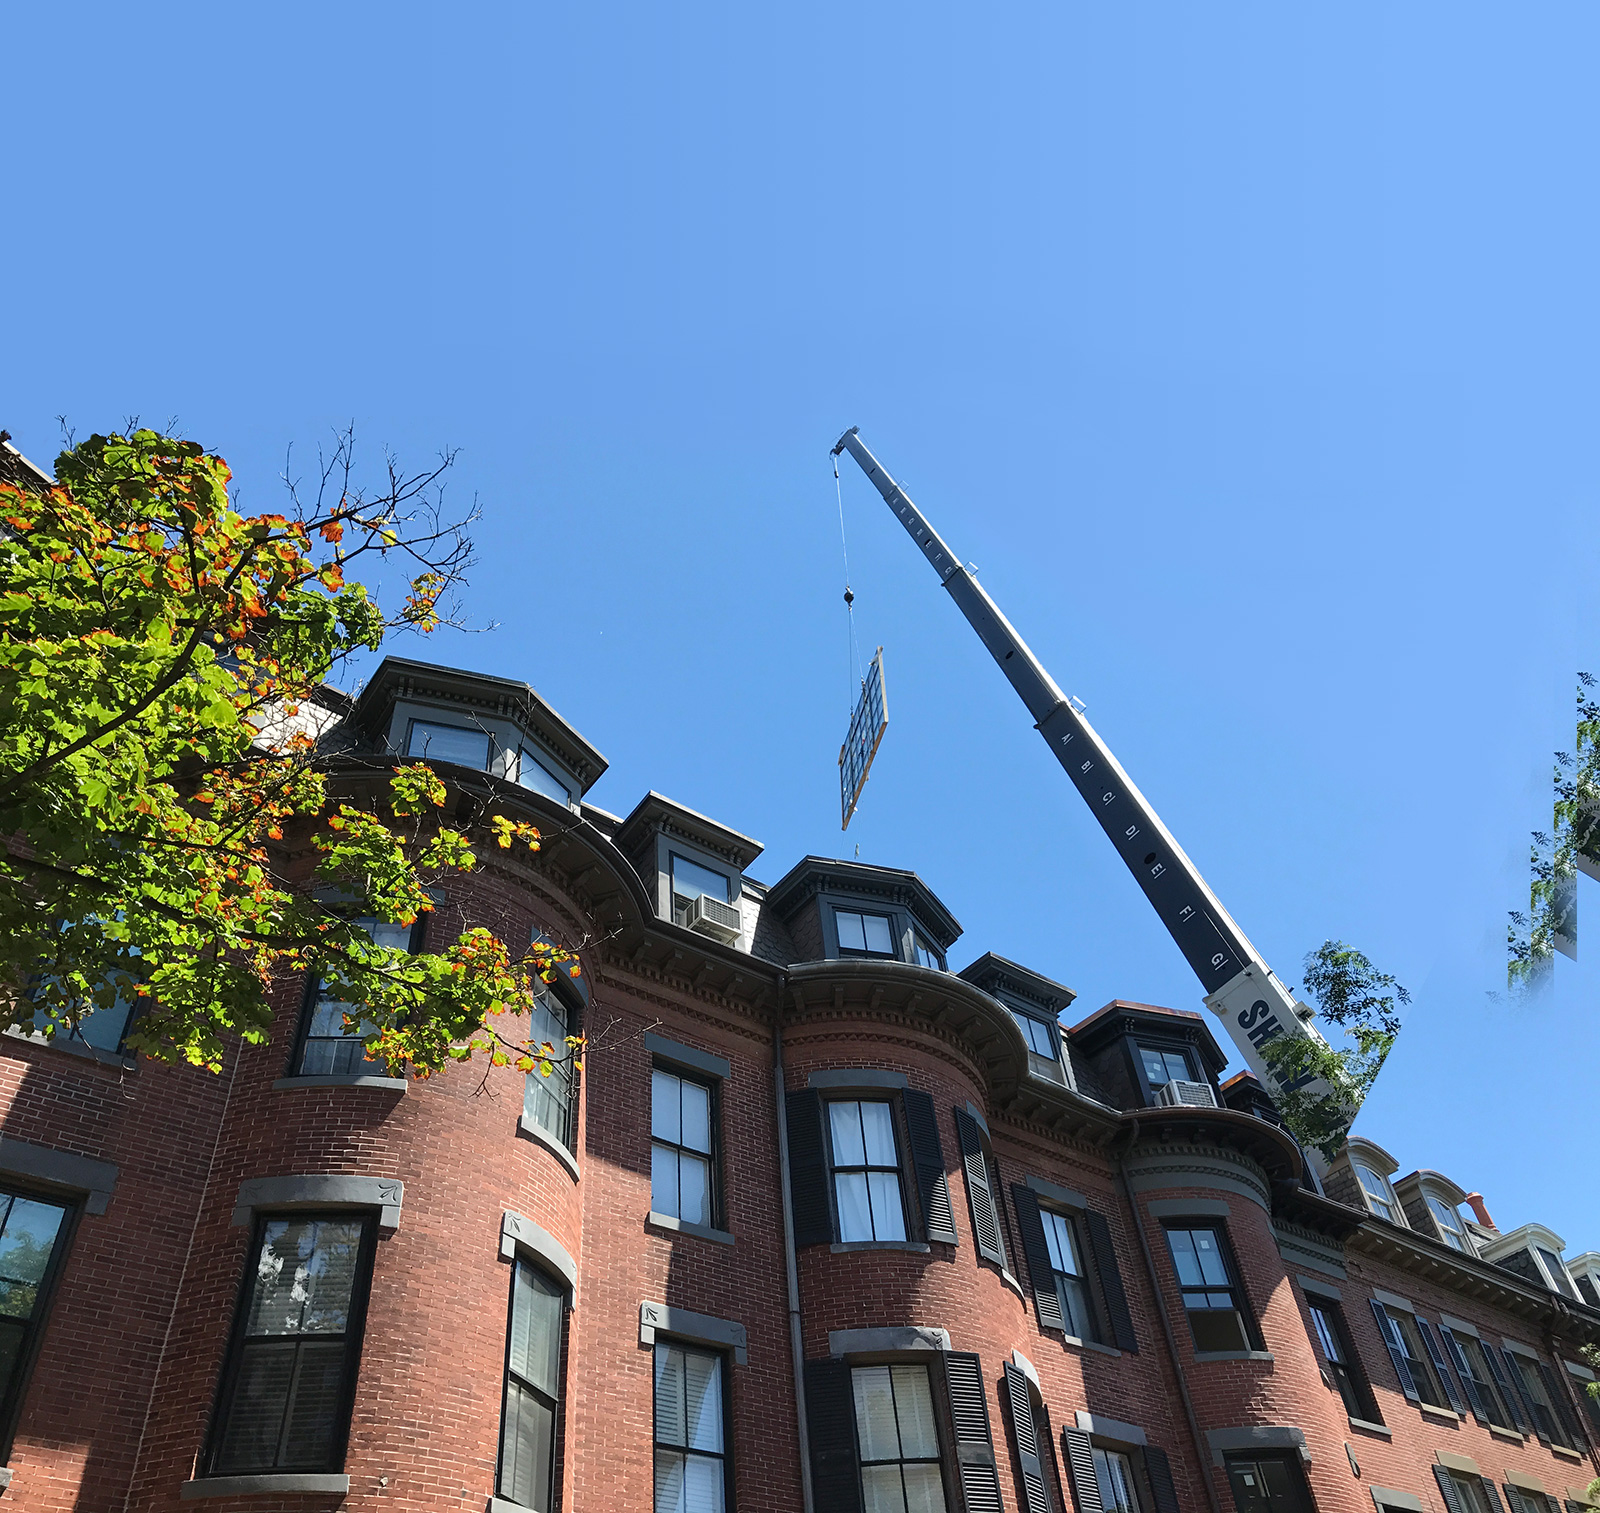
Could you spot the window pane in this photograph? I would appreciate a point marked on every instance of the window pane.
(672, 1419)
(449, 743)
(852, 936)
(703, 1485)
(664, 1196)
(881, 1491)
(1448, 1222)
(104, 1028)
(526, 1445)
(532, 773)
(1377, 1192)
(314, 1404)
(888, 1212)
(536, 1312)
(844, 1120)
(702, 1375)
(877, 933)
(25, 1245)
(1061, 1243)
(1209, 1255)
(1115, 1477)
(666, 1119)
(875, 1418)
(1558, 1272)
(877, 1123)
(1184, 1258)
(690, 880)
(1155, 1066)
(694, 1190)
(924, 1489)
(696, 1117)
(1325, 1336)
(304, 1276)
(914, 1411)
(855, 1216)
(1075, 1309)
(669, 1481)
(255, 1413)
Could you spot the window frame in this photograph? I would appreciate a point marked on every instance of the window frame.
(1530, 1383)
(1489, 1391)
(921, 946)
(1369, 1197)
(238, 1339)
(665, 1340)
(13, 1400)
(310, 1001)
(1102, 1450)
(901, 1146)
(1241, 1301)
(715, 1198)
(412, 721)
(1424, 1374)
(939, 1409)
(558, 1412)
(1093, 1331)
(889, 917)
(1328, 1320)
(1462, 1241)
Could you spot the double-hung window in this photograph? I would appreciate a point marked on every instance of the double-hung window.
(290, 1375)
(1113, 1474)
(1376, 1191)
(682, 1172)
(690, 1432)
(1327, 1321)
(1469, 1489)
(1043, 1039)
(1066, 1262)
(863, 934)
(436, 741)
(866, 1170)
(32, 1235)
(1211, 1291)
(1546, 1419)
(691, 881)
(103, 1018)
(1165, 1064)
(533, 1388)
(330, 1048)
(897, 1439)
(1451, 1228)
(1415, 1355)
(1557, 1272)
(924, 954)
(547, 1101)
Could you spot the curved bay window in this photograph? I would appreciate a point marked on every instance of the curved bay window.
(330, 1048)
(1211, 1292)
(866, 1171)
(533, 1389)
(547, 1101)
(290, 1376)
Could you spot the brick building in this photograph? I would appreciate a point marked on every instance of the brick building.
(823, 1225)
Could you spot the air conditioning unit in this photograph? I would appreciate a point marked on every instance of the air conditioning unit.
(1187, 1095)
(710, 916)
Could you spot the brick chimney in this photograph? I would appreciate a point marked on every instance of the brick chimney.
(1479, 1208)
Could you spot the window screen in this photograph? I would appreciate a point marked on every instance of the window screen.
(691, 1467)
(899, 1444)
(680, 1148)
(866, 933)
(866, 1171)
(432, 741)
(533, 1389)
(286, 1397)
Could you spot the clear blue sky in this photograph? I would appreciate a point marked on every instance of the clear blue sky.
(1248, 351)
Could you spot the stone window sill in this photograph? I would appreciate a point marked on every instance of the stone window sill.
(264, 1484)
(1234, 1355)
(916, 1247)
(1510, 1434)
(85, 1052)
(343, 1079)
(1565, 1453)
(1448, 1414)
(1369, 1428)
(688, 1227)
(1094, 1345)
(541, 1136)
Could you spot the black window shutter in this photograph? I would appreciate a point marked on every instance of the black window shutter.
(1111, 1289)
(1480, 1409)
(1080, 1471)
(927, 1159)
(1425, 1329)
(1514, 1371)
(1558, 1401)
(1391, 1340)
(974, 1445)
(808, 1169)
(1025, 1433)
(830, 1424)
(1491, 1494)
(1046, 1300)
(985, 1216)
(1514, 1499)
(1159, 1470)
(1510, 1394)
(1448, 1490)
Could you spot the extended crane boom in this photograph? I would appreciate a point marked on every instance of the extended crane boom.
(1240, 988)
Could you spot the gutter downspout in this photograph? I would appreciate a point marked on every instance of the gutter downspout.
(791, 1268)
(1202, 1449)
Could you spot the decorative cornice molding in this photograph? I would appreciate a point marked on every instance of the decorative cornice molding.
(1197, 1166)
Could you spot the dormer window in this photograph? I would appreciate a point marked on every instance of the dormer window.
(863, 934)
(1043, 1039)
(435, 741)
(691, 881)
(1557, 1272)
(532, 773)
(924, 954)
(1451, 1230)
(1377, 1192)
(1165, 1064)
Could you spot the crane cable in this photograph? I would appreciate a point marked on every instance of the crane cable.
(854, 676)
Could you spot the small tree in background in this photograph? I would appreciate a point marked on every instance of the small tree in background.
(156, 646)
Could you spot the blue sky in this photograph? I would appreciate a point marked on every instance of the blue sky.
(1247, 351)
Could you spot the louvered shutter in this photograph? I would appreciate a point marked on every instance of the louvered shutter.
(1510, 1394)
(927, 1160)
(1514, 1372)
(1577, 1507)
(1159, 1470)
(831, 1427)
(1448, 1490)
(1436, 1355)
(1558, 1400)
(974, 1445)
(1046, 1300)
(1019, 1399)
(1391, 1340)
(1491, 1494)
(1469, 1384)
(1080, 1471)
(808, 1169)
(1111, 1289)
(985, 1216)
(1514, 1499)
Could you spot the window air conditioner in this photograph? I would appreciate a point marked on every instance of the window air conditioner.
(710, 916)
(1187, 1095)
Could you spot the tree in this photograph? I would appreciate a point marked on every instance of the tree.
(1364, 1003)
(155, 648)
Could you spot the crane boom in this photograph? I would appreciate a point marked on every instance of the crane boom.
(1240, 988)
